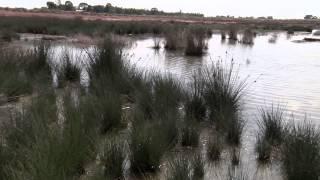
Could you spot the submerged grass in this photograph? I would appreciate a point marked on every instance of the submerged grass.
(301, 153)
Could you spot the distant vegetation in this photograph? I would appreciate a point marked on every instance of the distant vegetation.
(108, 8)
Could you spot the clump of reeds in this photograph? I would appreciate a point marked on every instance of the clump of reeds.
(271, 132)
(9, 36)
(190, 133)
(69, 71)
(147, 147)
(113, 158)
(233, 34)
(156, 43)
(179, 168)
(105, 109)
(195, 106)
(167, 94)
(198, 167)
(273, 38)
(248, 37)
(14, 81)
(223, 94)
(223, 35)
(39, 64)
(196, 43)
(173, 38)
(214, 148)
(301, 152)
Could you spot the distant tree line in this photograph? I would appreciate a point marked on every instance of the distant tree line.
(108, 8)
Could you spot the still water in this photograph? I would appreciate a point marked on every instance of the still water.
(279, 70)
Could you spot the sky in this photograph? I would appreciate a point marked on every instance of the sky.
(276, 8)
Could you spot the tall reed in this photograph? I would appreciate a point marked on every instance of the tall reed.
(301, 152)
(223, 97)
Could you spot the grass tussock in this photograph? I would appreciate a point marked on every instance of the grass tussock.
(44, 149)
(301, 153)
(196, 42)
(148, 144)
(69, 72)
(223, 94)
(214, 148)
(156, 43)
(14, 80)
(190, 133)
(248, 37)
(174, 38)
(198, 165)
(271, 132)
(113, 158)
(179, 168)
(105, 110)
(195, 106)
(8, 36)
(233, 34)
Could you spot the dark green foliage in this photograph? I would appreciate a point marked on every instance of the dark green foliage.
(13, 78)
(147, 146)
(8, 36)
(179, 169)
(233, 34)
(167, 94)
(69, 71)
(248, 37)
(195, 106)
(190, 133)
(198, 165)
(301, 153)
(196, 42)
(272, 132)
(113, 158)
(104, 109)
(223, 93)
(214, 148)
(45, 149)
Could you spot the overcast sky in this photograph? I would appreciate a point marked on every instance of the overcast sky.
(276, 8)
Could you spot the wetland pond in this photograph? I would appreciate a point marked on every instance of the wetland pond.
(278, 68)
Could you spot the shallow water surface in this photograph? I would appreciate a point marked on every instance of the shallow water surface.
(279, 70)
